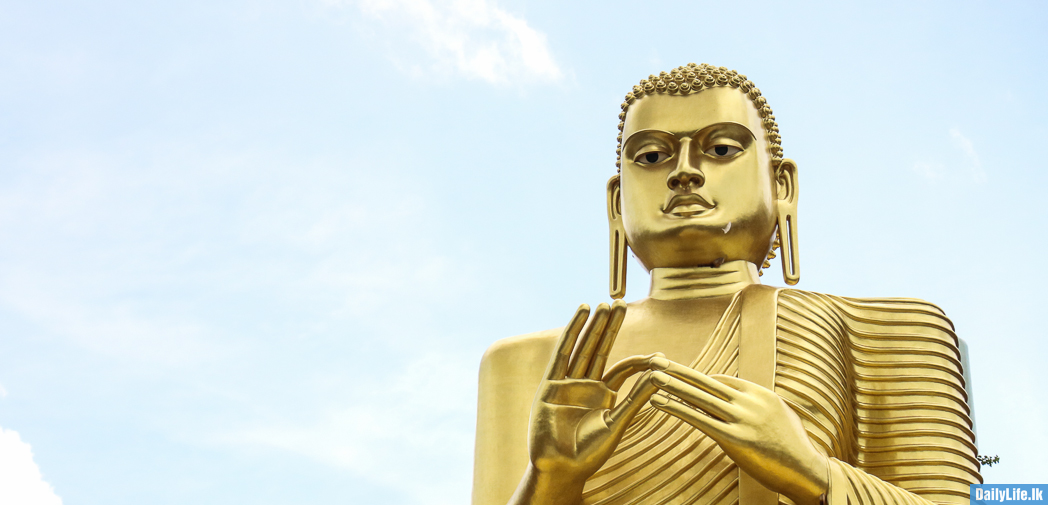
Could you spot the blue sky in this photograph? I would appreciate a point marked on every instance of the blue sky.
(253, 251)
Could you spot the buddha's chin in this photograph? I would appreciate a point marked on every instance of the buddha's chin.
(693, 225)
(697, 241)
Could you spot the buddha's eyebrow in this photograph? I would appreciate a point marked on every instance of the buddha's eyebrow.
(649, 130)
(692, 132)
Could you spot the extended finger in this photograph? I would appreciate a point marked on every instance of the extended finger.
(618, 314)
(625, 369)
(558, 363)
(587, 346)
(619, 417)
(734, 382)
(713, 428)
(695, 378)
(696, 397)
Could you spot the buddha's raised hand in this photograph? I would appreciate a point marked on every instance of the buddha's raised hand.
(752, 424)
(575, 422)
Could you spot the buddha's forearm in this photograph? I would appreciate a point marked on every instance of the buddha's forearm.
(547, 488)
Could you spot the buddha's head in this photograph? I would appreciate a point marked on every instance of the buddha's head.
(702, 180)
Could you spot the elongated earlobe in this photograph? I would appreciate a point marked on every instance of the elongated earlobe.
(617, 239)
(786, 209)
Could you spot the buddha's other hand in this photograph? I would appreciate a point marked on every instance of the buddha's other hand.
(752, 424)
(575, 422)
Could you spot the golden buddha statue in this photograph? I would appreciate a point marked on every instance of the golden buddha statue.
(733, 392)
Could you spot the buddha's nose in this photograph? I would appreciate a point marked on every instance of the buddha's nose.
(685, 174)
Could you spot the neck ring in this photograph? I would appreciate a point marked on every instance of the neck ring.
(702, 282)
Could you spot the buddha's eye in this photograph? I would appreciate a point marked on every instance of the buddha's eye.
(651, 158)
(723, 151)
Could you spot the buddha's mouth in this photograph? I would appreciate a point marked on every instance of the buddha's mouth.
(687, 205)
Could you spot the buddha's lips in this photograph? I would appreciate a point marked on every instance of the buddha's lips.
(689, 199)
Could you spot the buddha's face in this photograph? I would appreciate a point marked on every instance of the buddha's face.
(697, 183)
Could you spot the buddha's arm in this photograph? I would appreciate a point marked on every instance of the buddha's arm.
(510, 372)
(913, 431)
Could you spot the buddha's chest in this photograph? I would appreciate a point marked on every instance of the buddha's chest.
(677, 330)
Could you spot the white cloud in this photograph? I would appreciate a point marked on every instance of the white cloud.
(20, 480)
(117, 257)
(930, 171)
(111, 329)
(474, 38)
(969, 152)
(396, 427)
(953, 169)
(88, 203)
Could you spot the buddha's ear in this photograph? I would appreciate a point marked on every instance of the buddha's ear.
(614, 199)
(787, 190)
(786, 185)
(617, 240)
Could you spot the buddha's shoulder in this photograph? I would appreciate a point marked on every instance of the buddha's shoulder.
(885, 310)
(526, 351)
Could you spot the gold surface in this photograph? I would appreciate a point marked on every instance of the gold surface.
(723, 390)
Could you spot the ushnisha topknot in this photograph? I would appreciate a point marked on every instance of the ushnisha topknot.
(694, 78)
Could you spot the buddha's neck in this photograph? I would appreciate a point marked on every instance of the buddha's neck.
(702, 282)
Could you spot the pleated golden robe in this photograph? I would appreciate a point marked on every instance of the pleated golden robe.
(877, 383)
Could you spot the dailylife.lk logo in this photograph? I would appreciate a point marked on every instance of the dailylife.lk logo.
(1002, 493)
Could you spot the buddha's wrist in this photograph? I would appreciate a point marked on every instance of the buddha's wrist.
(539, 487)
(816, 484)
